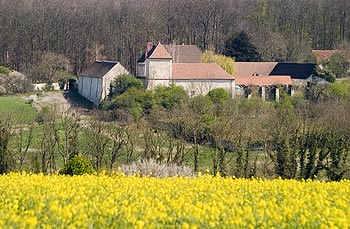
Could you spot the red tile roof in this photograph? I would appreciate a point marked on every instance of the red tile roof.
(200, 71)
(263, 80)
(160, 53)
(253, 68)
(322, 55)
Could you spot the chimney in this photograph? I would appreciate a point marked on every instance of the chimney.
(149, 47)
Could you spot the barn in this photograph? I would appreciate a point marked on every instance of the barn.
(94, 82)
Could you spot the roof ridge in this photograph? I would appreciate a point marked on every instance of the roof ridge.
(160, 53)
(107, 61)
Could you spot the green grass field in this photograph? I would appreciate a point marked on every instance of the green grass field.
(18, 108)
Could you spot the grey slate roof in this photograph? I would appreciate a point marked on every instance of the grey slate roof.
(143, 57)
(98, 69)
(295, 70)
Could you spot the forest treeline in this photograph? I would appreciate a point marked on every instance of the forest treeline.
(85, 30)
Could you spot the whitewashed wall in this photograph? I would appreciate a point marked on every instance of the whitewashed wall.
(116, 71)
(41, 86)
(202, 87)
(97, 89)
(160, 69)
(90, 88)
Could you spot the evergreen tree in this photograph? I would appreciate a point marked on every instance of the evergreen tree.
(241, 49)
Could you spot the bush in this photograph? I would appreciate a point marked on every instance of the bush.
(4, 70)
(154, 169)
(123, 83)
(77, 165)
(169, 97)
(340, 89)
(14, 82)
(218, 95)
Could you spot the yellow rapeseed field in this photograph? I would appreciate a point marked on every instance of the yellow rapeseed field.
(117, 201)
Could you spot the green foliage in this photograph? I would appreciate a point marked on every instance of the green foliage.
(134, 100)
(77, 165)
(128, 93)
(337, 65)
(4, 70)
(325, 73)
(64, 77)
(241, 49)
(338, 150)
(218, 95)
(128, 99)
(340, 89)
(225, 62)
(170, 96)
(138, 101)
(316, 91)
(123, 83)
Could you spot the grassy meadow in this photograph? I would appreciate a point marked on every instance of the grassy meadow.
(18, 108)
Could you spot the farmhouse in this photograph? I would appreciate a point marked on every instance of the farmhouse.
(180, 64)
(94, 82)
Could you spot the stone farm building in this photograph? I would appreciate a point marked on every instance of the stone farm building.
(300, 73)
(270, 77)
(94, 82)
(180, 64)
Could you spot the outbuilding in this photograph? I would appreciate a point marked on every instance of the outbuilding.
(95, 81)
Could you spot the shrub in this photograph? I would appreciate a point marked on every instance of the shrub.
(218, 95)
(156, 169)
(77, 165)
(4, 70)
(123, 83)
(170, 96)
(14, 82)
(340, 89)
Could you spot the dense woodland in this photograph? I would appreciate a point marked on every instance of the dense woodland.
(85, 30)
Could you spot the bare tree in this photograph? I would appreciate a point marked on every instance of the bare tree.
(68, 144)
(49, 139)
(24, 138)
(6, 134)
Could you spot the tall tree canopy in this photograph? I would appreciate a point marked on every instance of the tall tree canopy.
(241, 49)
